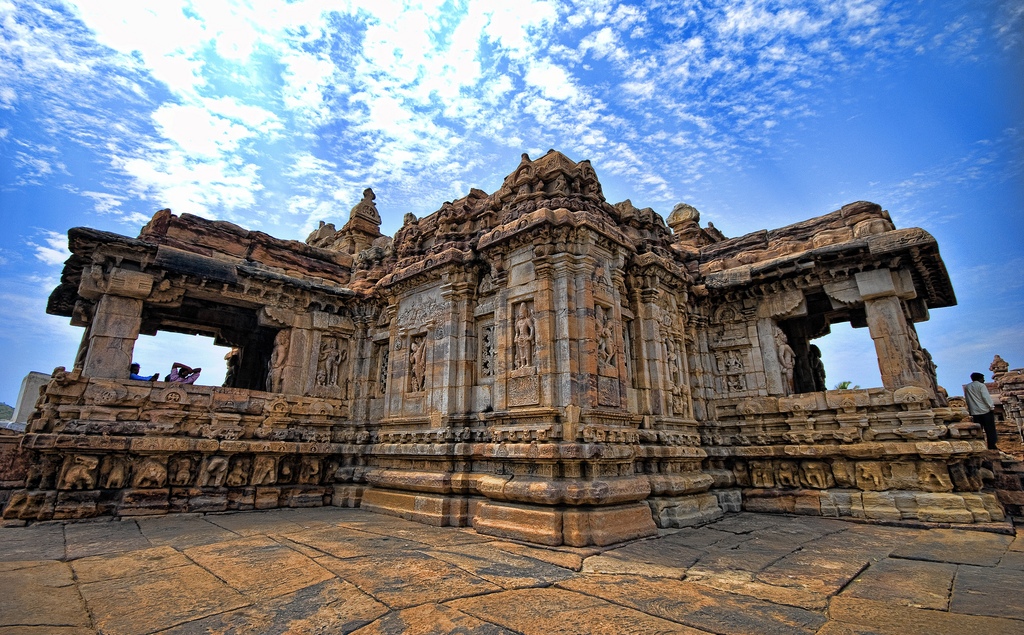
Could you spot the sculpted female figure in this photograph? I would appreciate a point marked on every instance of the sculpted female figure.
(524, 332)
(418, 363)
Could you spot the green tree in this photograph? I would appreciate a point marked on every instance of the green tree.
(6, 412)
(846, 385)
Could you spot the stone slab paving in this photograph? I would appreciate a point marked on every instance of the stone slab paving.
(336, 570)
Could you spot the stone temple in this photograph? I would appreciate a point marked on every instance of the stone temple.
(535, 363)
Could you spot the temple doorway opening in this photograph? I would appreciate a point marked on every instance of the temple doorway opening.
(156, 353)
(848, 354)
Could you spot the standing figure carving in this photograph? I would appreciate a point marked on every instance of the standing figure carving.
(605, 338)
(787, 359)
(525, 331)
(417, 364)
(277, 359)
(331, 359)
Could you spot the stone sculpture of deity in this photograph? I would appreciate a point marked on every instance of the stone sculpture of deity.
(524, 338)
(787, 359)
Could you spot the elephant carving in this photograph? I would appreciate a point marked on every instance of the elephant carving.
(150, 473)
(80, 473)
(214, 471)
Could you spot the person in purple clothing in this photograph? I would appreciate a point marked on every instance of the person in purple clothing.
(182, 374)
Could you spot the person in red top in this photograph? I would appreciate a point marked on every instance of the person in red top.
(182, 374)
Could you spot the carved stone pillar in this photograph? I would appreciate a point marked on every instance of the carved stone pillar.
(453, 337)
(562, 288)
(888, 327)
(292, 350)
(650, 396)
(112, 337)
(116, 322)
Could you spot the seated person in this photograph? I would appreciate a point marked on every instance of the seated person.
(182, 374)
(133, 373)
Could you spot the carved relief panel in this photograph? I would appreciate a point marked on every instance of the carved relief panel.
(381, 355)
(486, 358)
(524, 336)
(333, 376)
(524, 383)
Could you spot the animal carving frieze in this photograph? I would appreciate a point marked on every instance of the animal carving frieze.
(150, 473)
(213, 472)
(79, 472)
(787, 474)
(847, 435)
(115, 472)
(965, 476)
(762, 474)
(314, 436)
(180, 471)
(238, 475)
(816, 475)
(264, 470)
(803, 436)
(870, 476)
(309, 471)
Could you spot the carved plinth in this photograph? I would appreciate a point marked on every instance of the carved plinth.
(685, 511)
(576, 527)
(892, 505)
(430, 509)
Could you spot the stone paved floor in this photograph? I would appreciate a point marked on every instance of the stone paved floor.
(334, 570)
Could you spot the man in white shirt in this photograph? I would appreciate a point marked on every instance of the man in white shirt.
(981, 408)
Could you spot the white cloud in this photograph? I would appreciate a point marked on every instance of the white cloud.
(552, 80)
(601, 43)
(54, 250)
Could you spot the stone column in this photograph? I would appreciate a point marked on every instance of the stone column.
(888, 327)
(566, 344)
(116, 321)
(292, 350)
(453, 371)
(650, 379)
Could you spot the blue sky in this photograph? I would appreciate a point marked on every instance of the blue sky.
(275, 115)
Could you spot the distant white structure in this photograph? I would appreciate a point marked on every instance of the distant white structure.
(27, 397)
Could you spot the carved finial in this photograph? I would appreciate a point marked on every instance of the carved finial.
(366, 208)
